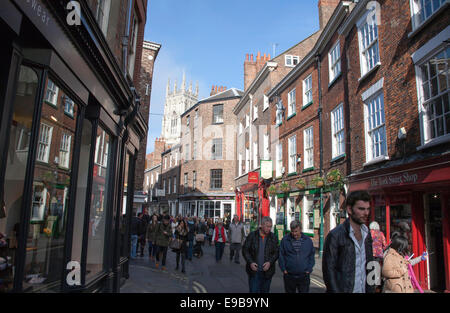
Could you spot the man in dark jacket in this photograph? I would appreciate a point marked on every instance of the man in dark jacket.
(142, 230)
(260, 251)
(296, 259)
(348, 249)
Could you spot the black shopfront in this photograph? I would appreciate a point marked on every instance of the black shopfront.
(69, 135)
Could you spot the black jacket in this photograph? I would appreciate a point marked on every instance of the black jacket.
(338, 262)
(250, 252)
(135, 225)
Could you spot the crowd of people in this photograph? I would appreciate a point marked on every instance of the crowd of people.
(349, 250)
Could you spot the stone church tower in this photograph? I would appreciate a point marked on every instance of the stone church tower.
(177, 102)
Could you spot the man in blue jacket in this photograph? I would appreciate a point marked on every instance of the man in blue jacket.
(296, 259)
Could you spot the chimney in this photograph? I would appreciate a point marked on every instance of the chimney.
(326, 9)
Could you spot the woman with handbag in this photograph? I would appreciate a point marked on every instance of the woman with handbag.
(151, 237)
(181, 233)
(163, 234)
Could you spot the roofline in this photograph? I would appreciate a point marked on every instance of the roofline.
(171, 148)
(284, 52)
(152, 168)
(211, 100)
(348, 24)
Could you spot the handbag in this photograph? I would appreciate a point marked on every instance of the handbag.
(200, 237)
(210, 231)
(175, 244)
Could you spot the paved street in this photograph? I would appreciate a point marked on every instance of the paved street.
(203, 275)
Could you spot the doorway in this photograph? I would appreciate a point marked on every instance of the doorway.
(434, 241)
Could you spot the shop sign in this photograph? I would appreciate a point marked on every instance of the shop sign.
(398, 179)
(253, 177)
(266, 169)
(38, 10)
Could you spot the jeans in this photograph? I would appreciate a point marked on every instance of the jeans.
(134, 239)
(190, 248)
(183, 258)
(235, 248)
(300, 282)
(162, 251)
(151, 249)
(258, 283)
(220, 246)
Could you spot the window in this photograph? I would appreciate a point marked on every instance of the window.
(423, 9)
(291, 60)
(241, 127)
(185, 180)
(307, 91)
(152, 180)
(247, 160)
(434, 78)
(45, 140)
(188, 122)
(218, 114)
(102, 14)
(196, 119)
(279, 120)
(308, 214)
(337, 131)
(51, 95)
(334, 61)
(216, 179)
(216, 149)
(240, 164)
(174, 125)
(133, 44)
(266, 103)
(194, 179)
(291, 102)
(170, 161)
(279, 159)
(194, 152)
(266, 147)
(64, 151)
(170, 185)
(176, 158)
(165, 163)
(255, 155)
(68, 106)
(292, 154)
(308, 152)
(368, 42)
(375, 127)
(187, 152)
(247, 121)
(147, 181)
(175, 184)
(255, 112)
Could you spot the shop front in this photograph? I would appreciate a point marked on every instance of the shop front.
(418, 194)
(64, 158)
(213, 207)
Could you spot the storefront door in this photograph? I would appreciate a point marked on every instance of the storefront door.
(434, 240)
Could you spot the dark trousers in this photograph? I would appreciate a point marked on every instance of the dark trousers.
(234, 251)
(151, 249)
(142, 244)
(162, 252)
(299, 282)
(190, 249)
(183, 258)
(220, 246)
(258, 283)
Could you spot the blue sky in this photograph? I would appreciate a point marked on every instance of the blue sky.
(208, 40)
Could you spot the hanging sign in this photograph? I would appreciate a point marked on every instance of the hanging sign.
(253, 178)
(266, 169)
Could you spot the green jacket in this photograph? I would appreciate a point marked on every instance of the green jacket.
(162, 239)
(151, 232)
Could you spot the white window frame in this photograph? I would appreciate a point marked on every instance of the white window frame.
(337, 131)
(247, 121)
(279, 114)
(217, 119)
(279, 159)
(265, 103)
(247, 160)
(308, 147)
(68, 106)
(291, 103)
(255, 155)
(417, 7)
(103, 20)
(45, 142)
(152, 180)
(64, 150)
(308, 210)
(370, 46)
(174, 184)
(289, 60)
(255, 112)
(217, 145)
(194, 179)
(186, 180)
(241, 128)
(240, 164)
(54, 91)
(170, 185)
(373, 130)
(266, 147)
(433, 97)
(307, 90)
(334, 62)
(292, 148)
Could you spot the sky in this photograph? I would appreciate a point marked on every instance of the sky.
(208, 40)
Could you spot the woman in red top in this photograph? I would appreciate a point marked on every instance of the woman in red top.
(220, 238)
(379, 240)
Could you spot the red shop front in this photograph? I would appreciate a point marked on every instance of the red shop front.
(418, 194)
(252, 200)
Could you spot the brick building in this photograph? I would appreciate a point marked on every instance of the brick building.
(208, 161)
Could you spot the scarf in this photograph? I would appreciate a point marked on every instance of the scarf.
(414, 281)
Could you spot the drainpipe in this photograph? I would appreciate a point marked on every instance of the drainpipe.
(321, 239)
(125, 39)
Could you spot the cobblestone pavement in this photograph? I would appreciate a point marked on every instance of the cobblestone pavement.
(203, 275)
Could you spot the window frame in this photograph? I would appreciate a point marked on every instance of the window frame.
(292, 102)
(292, 150)
(368, 132)
(308, 147)
(307, 92)
(47, 145)
(55, 92)
(292, 58)
(279, 160)
(417, 7)
(363, 59)
(67, 152)
(332, 64)
(215, 115)
(338, 148)
(215, 179)
(216, 142)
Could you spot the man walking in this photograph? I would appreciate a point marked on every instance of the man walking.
(190, 238)
(348, 249)
(236, 235)
(260, 251)
(134, 230)
(296, 259)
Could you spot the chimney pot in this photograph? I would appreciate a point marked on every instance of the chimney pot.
(268, 56)
(246, 57)
(251, 57)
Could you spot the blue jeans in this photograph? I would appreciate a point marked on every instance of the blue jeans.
(151, 249)
(258, 283)
(190, 249)
(220, 246)
(134, 239)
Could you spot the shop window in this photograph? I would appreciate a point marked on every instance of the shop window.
(20, 130)
(44, 260)
(99, 205)
(308, 214)
(401, 213)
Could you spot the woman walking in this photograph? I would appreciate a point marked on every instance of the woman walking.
(210, 227)
(181, 234)
(163, 234)
(220, 238)
(151, 237)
